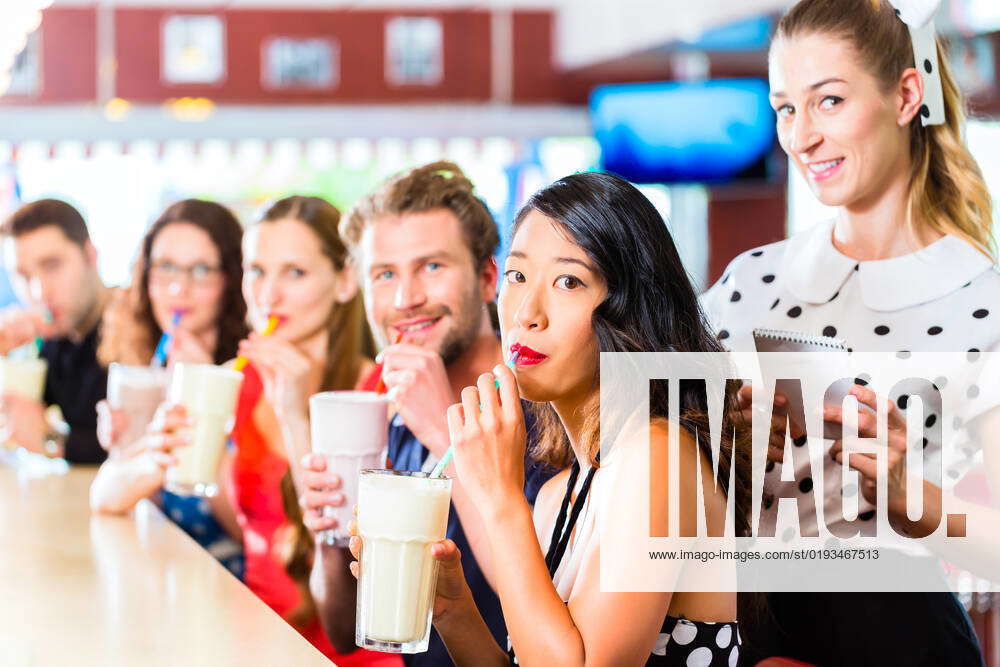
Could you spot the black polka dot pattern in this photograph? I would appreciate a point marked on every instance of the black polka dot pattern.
(723, 335)
(901, 322)
(925, 111)
(927, 66)
(757, 253)
(800, 441)
(689, 643)
(735, 296)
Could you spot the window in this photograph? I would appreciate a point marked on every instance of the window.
(300, 63)
(24, 74)
(414, 51)
(193, 49)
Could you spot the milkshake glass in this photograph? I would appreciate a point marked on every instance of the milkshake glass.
(351, 429)
(400, 516)
(209, 393)
(137, 391)
(23, 377)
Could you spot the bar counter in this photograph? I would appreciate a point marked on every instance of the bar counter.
(77, 589)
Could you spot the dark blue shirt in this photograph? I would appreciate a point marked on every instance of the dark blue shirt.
(406, 453)
(194, 516)
(76, 382)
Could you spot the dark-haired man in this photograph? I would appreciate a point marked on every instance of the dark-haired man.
(53, 266)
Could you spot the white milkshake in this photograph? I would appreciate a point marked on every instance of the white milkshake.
(137, 391)
(351, 429)
(23, 377)
(400, 515)
(209, 393)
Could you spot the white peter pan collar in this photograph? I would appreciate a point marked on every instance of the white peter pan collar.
(814, 270)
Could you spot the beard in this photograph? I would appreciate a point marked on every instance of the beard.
(465, 330)
(466, 320)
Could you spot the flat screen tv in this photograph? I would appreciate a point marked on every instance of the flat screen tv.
(716, 131)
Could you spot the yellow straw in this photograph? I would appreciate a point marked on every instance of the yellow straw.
(272, 324)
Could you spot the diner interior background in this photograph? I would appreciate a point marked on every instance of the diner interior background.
(124, 106)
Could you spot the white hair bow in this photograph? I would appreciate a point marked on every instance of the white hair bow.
(918, 15)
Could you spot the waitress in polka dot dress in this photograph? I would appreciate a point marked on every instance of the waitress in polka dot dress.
(907, 265)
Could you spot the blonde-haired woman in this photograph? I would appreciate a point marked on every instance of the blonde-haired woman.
(906, 266)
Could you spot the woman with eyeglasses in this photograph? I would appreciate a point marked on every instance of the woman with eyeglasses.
(187, 280)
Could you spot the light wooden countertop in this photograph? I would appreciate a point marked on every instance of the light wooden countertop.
(77, 589)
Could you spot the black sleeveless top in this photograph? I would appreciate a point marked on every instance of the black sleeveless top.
(681, 642)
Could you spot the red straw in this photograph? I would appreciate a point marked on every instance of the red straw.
(380, 388)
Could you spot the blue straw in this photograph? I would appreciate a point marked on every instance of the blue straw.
(163, 347)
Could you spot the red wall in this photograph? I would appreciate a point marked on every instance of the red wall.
(741, 217)
(988, 105)
(68, 58)
(535, 78)
(362, 71)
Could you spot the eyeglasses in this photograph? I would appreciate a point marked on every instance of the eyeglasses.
(196, 274)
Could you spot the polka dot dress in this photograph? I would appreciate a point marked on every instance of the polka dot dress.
(942, 298)
(684, 643)
(680, 642)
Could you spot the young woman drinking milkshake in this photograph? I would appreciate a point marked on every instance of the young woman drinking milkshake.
(592, 268)
(187, 281)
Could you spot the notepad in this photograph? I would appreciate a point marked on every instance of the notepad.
(832, 360)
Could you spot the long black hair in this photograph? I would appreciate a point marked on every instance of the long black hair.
(651, 306)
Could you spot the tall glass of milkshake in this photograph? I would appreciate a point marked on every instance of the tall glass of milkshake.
(209, 394)
(400, 515)
(23, 377)
(351, 429)
(136, 391)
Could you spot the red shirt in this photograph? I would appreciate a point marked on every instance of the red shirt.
(256, 488)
